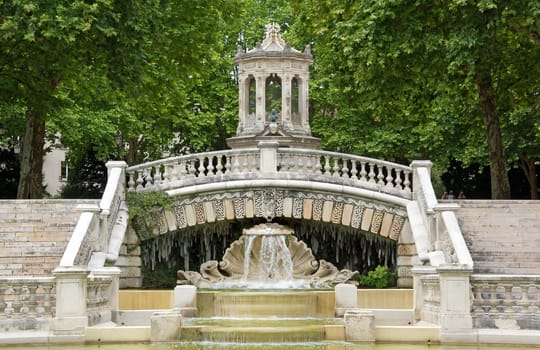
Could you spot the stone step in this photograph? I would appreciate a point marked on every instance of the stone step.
(265, 304)
(267, 334)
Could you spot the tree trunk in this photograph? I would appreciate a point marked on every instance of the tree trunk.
(31, 178)
(500, 185)
(529, 168)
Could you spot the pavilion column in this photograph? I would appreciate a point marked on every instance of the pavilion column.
(260, 92)
(303, 103)
(286, 102)
(242, 110)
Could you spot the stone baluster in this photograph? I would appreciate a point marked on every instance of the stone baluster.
(508, 300)
(172, 173)
(398, 181)
(517, 297)
(16, 303)
(219, 165)
(335, 168)
(201, 170)
(182, 170)
(48, 299)
(166, 175)
(299, 164)
(292, 163)
(354, 170)
(389, 178)
(380, 175)
(148, 178)
(131, 181)
(345, 168)
(236, 164)
(317, 166)
(407, 181)
(25, 297)
(9, 299)
(191, 168)
(156, 178)
(327, 166)
(309, 164)
(228, 165)
(363, 172)
(478, 301)
(371, 174)
(140, 180)
(532, 296)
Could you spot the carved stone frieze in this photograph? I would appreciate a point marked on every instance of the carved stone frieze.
(386, 220)
(180, 214)
(376, 221)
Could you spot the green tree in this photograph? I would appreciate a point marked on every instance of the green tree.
(88, 69)
(423, 78)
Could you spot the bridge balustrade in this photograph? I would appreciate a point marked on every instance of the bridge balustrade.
(291, 164)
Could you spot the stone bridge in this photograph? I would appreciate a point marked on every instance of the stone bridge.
(361, 194)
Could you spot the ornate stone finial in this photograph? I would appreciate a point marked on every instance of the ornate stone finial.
(307, 50)
(272, 30)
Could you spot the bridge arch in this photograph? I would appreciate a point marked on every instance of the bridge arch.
(358, 196)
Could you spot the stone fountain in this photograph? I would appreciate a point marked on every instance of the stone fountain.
(267, 256)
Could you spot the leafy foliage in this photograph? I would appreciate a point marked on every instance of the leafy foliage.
(141, 206)
(405, 80)
(381, 277)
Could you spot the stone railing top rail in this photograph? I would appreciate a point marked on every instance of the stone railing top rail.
(271, 162)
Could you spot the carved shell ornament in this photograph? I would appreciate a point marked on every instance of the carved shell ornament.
(246, 257)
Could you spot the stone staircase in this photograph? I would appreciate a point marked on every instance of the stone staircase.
(34, 234)
(503, 236)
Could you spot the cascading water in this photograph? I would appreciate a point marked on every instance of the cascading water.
(267, 256)
(273, 261)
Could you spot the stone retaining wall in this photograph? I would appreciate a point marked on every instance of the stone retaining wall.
(34, 234)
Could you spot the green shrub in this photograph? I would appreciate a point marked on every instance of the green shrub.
(381, 277)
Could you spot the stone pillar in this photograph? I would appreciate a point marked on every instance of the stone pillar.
(241, 103)
(71, 313)
(359, 325)
(260, 93)
(268, 157)
(303, 96)
(286, 101)
(456, 320)
(346, 298)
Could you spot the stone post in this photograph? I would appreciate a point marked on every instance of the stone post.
(71, 313)
(359, 325)
(346, 298)
(185, 300)
(268, 157)
(456, 320)
(165, 326)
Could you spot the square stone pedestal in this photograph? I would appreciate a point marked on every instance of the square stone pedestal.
(359, 325)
